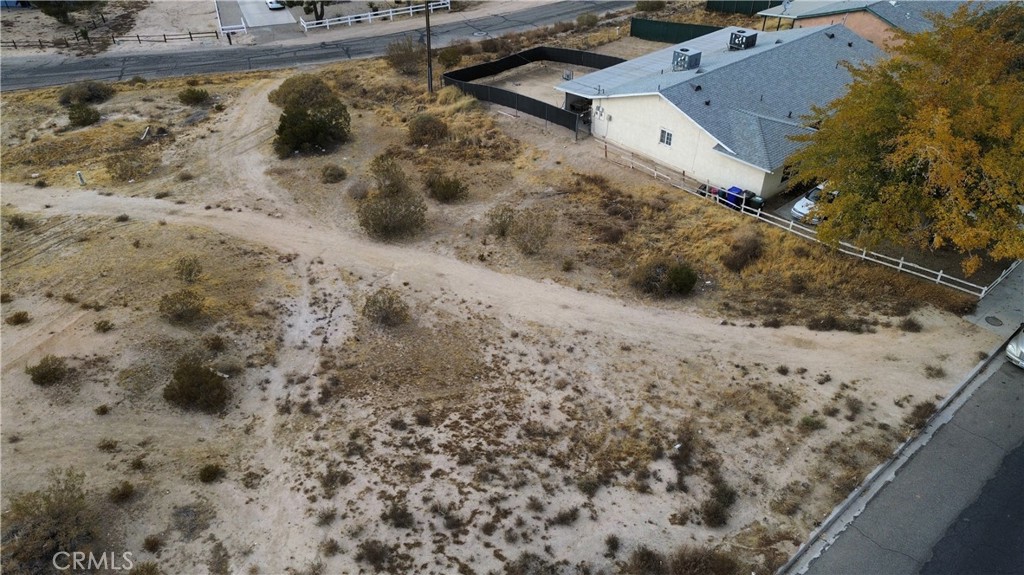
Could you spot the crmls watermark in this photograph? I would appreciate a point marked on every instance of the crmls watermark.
(81, 561)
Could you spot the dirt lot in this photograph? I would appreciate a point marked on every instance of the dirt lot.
(535, 406)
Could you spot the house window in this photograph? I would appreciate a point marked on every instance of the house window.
(666, 138)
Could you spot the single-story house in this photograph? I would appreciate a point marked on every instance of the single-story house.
(876, 21)
(721, 108)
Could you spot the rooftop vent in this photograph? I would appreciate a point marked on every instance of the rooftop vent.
(685, 59)
(742, 39)
(829, 35)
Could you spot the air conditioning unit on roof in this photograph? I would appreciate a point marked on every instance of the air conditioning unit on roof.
(742, 39)
(685, 59)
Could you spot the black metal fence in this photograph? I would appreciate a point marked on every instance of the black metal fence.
(748, 7)
(464, 77)
(670, 32)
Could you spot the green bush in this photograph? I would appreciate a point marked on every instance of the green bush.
(196, 386)
(332, 174)
(444, 188)
(385, 307)
(450, 57)
(388, 216)
(531, 231)
(312, 129)
(715, 509)
(405, 56)
(664, 277)
(398, 515)
(182, 306)
(55, 518)
(500, 219)
(193, 96)
(425, 129)
(302, 90)
(188, 269)
(49, 371)
(388, 175)
(584, 21)
(80, 115)
(88, 92)
(809, 423)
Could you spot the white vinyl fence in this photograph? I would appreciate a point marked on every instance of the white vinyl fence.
(629, 159)
(379, 15)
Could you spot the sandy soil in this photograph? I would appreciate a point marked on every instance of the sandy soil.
(518, 392)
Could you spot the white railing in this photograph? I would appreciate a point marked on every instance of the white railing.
(226, 29)
(379, 15)
(627, 158)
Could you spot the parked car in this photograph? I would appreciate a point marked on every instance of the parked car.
(1015, 349)
(275, 5)
(738, 198)
(805, 205)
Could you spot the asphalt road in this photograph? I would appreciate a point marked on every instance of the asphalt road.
(20, 72)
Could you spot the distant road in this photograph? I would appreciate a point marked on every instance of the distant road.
(37, 71)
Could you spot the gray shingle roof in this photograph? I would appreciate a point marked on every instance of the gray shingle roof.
(751, 100)
(907, 15)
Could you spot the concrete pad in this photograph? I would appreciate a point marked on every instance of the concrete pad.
(257, 14)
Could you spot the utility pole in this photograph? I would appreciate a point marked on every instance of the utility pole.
(430, 65)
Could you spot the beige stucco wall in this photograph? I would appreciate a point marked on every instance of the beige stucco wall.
(636, 124)
(865, 24)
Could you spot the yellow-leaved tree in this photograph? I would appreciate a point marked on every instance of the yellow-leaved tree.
(927, 146)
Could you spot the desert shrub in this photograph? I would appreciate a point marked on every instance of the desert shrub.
(210, 472)
(690, 560)
(49, 371)
(399, 516)
(782, 370)
(80, 115)
(664, 277)
(388, 175)
(326, 516)
(531, 231)
(450, 57)
(215, 342)
(445, 188)
(920, 414)
(152, 543)
(129, 165)
(494, 45)
(645, 561)
(18, 318)
(146, 568)
(103, 325)
(405, 56)
(18, 221)
(809, 423)
(88, 92)
(121, 218)
(387, 216)
(188, 269)
(122, 493)
(332, 174)
(715, 509)
(359, 190)
(500, 219)
(613, 545)
(40, 523)
(650, 5)
(102, 409)
(910, 324)
(193, 96)
(182, 306)
(531, 564)
(379, 555)
(385, 307)
(425, 129)
(6, 297)
(312, 129)
(744, 250)
(303, 90)
(422, 417)
(584, 21)
(137, 80)
(934, 372)
(183, 176)
(196, 386)
(566, 516)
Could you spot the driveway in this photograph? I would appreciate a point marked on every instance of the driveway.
(257, 14)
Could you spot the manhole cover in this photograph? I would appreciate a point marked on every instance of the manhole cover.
(993, 320)
(479, 33)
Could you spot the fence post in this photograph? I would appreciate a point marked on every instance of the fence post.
(228, 34)
(139, 38)
(40, 44)
(938, 278)
(15, 44)
(900, 268)
(165, 38)
(189, 35)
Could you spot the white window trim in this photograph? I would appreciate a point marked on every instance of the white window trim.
(665, 138)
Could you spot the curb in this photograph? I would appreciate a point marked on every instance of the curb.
(876, 480)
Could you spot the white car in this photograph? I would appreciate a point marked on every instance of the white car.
(275, 5)
(1015, 349)
(805, 205)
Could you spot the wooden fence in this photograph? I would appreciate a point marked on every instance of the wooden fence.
(378, 15)
(636, 161)
(88, 39)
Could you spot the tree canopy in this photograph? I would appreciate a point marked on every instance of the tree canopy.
(314, 119)
(61, 9)
(927, 146)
